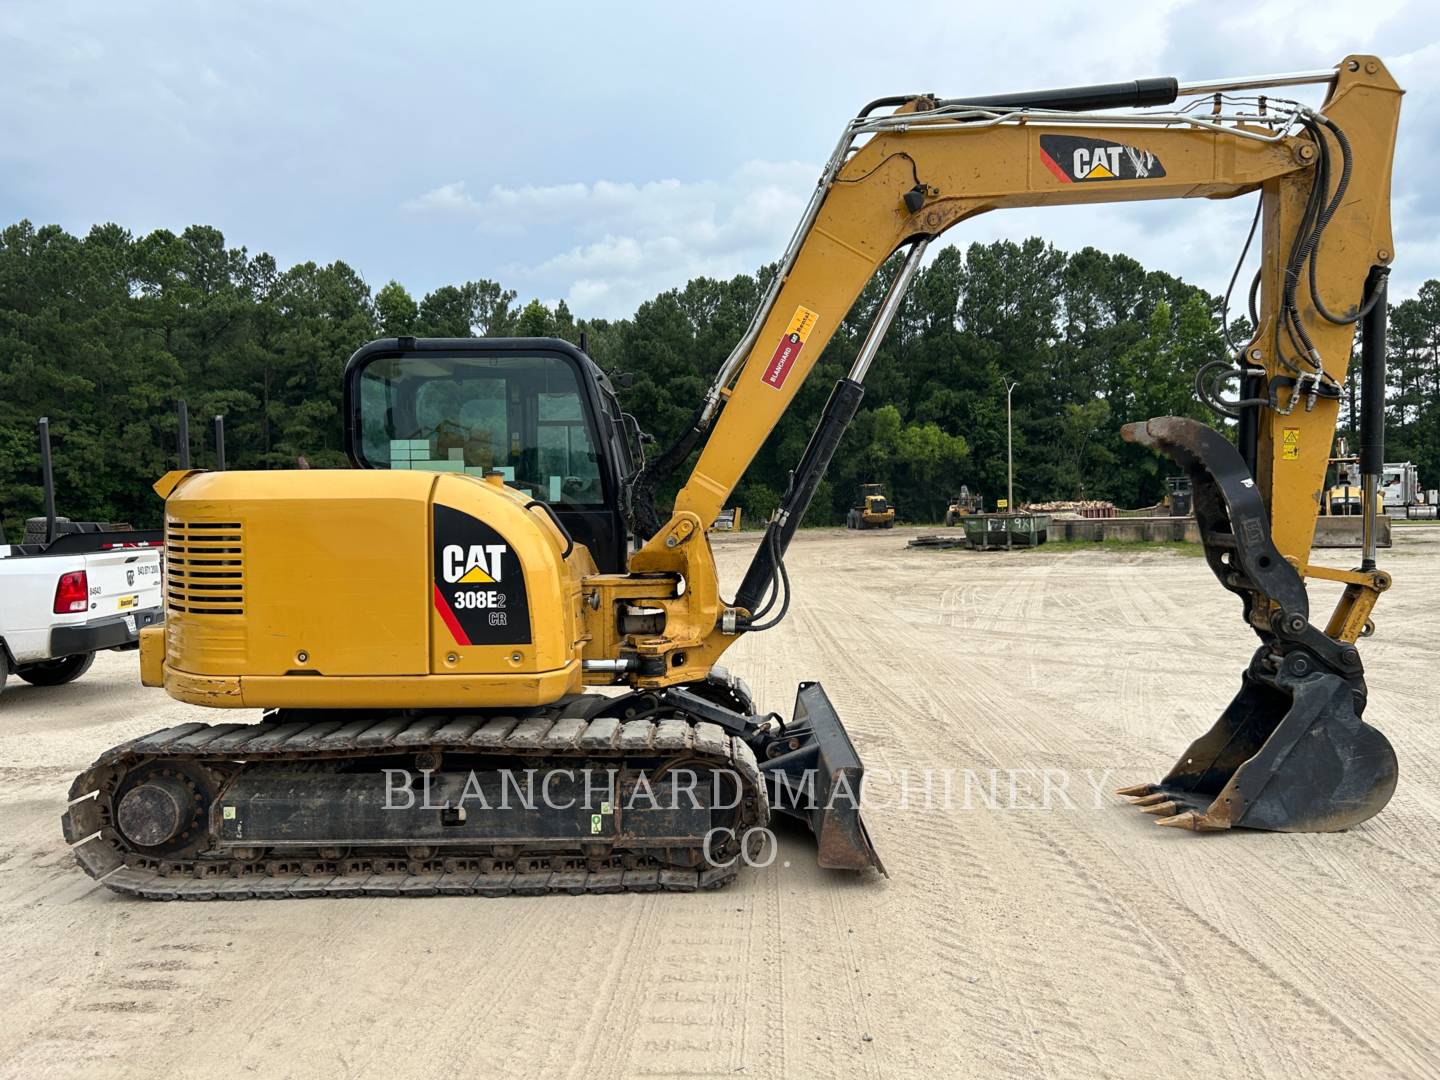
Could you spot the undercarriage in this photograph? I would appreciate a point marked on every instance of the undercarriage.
(645, 791)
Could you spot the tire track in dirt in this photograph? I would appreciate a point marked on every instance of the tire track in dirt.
(935, 866)
(943, 958)
(1356, 1039)
(1117, 924)
(1046, 1012)
(1110, 928)
(1342, 907)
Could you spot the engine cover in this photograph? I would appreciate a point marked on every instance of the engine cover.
(369, 588)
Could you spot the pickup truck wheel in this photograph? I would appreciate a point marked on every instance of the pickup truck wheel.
(4, 668)
(56, 672)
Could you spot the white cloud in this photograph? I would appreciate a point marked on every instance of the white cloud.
(446, 199)
(608, 245)
(156, 115)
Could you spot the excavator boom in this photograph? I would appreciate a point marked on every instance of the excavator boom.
(899, 180)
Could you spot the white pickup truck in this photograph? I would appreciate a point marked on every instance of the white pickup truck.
(70, 589)
(61, 603)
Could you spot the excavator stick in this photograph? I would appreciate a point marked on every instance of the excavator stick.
(1291, 753)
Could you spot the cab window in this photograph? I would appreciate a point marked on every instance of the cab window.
(521, 415)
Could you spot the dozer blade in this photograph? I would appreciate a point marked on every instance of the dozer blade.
(1291, 752)
(819, 781)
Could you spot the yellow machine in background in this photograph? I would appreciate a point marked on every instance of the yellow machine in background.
(1343, 522)
(963, 505)
(423, 628)
(873, 511)
(727, 520)
(1344, 498)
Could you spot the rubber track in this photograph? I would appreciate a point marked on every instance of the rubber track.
(561, 731)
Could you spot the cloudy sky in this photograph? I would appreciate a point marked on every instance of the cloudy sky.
(601, 152)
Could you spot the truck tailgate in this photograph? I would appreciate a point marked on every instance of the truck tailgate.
(123, 580)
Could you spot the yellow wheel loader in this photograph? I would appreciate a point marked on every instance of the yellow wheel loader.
(489, 666)
(873, 511)
(962, 506)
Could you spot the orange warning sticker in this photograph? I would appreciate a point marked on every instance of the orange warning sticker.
(778, 370)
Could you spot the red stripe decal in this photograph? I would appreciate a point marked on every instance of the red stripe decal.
(778, 370)
(449, 616)
(1055, 168)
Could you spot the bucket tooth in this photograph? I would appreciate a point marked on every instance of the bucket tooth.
(1136, 790)
(1190, 819)
(1148, 800)
(1290, 754)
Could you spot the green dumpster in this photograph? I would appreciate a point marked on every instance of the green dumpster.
(989, 531)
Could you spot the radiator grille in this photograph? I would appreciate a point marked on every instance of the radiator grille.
(204, 567)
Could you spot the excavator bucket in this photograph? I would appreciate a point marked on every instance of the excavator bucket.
(1291, 753)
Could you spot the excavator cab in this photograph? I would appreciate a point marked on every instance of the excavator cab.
(538, 411)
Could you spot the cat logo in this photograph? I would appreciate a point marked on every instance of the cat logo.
(483, 564)
(478, 588)
(1073, 159)
(1097, 162)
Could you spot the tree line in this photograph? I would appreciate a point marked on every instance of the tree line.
(103, 333)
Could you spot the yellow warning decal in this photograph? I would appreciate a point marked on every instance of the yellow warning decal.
(475, 576)
(128, 601)
(801, 323)
(1290, 444)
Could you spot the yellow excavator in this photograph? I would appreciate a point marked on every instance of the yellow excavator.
(428, 632)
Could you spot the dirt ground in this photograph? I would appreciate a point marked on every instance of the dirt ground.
(1078, 940)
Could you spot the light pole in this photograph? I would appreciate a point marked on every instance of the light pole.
(1009, 468)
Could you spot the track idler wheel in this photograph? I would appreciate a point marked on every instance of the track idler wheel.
(155, 812)
(164, 811)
